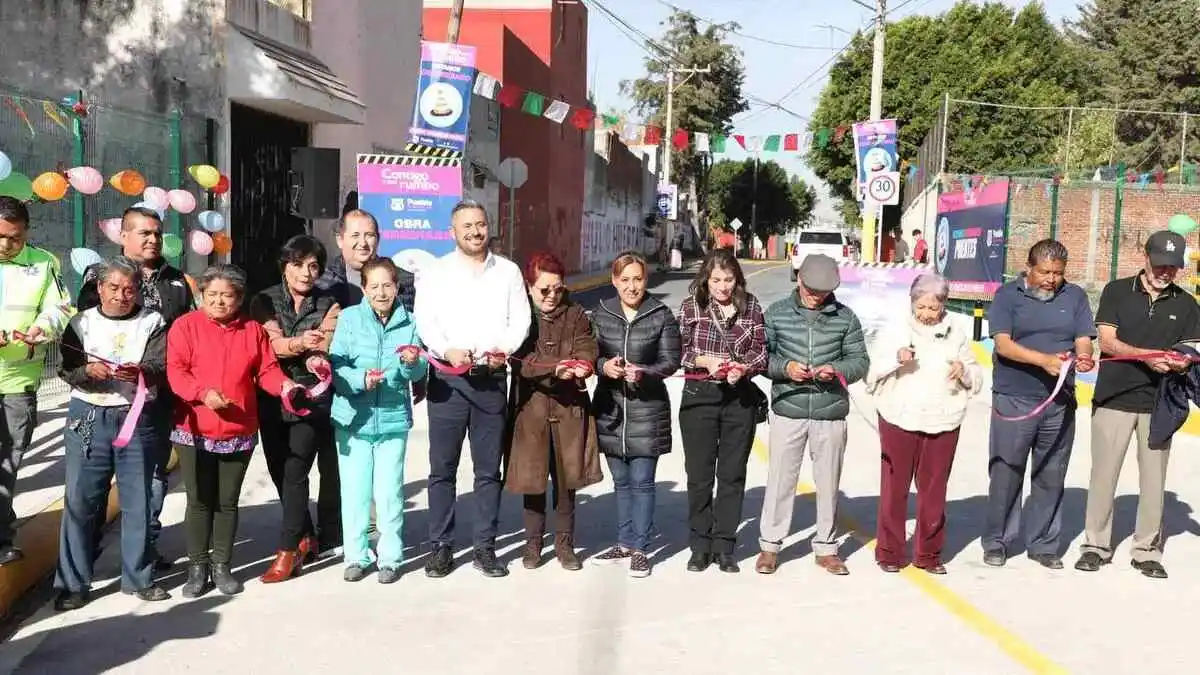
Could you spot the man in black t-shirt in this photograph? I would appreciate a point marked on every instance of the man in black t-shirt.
(1138, 315)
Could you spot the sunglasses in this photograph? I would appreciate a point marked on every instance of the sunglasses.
(551, 290)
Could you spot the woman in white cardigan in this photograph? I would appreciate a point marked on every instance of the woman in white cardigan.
(922, 373)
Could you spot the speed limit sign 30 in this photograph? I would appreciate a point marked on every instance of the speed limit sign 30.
(884, 188)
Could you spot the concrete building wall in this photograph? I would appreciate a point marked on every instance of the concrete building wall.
(614, 180)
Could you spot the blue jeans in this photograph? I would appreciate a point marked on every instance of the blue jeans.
(91, 462)
(633, 479)
(158, 415)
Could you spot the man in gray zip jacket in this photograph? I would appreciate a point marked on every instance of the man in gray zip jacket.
(811, 340)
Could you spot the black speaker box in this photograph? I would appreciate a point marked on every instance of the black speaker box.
(315, 182)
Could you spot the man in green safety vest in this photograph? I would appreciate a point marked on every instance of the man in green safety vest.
(34, 310)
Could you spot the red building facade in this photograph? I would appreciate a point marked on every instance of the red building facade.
(540, 46)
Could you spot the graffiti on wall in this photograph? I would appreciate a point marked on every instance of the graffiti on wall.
(601, 239)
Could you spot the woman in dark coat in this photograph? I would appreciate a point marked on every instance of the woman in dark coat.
(551, 414)
(639, 343)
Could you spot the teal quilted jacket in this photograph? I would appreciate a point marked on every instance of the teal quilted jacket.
(361, 343)
(829, 335)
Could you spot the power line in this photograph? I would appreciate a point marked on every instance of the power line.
(740, 34)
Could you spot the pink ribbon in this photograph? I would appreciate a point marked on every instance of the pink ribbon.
(125, 435)
(319, 366)
(1064, 371)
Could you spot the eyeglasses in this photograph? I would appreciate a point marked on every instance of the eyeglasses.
(551, 290)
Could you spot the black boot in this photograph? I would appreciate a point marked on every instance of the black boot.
(197, 583)
(223, 579)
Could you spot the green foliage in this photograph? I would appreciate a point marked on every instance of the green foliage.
(781, 203)
(704, 102)
(1144, 55)
(984, 52)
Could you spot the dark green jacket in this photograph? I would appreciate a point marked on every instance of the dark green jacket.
(829, 335)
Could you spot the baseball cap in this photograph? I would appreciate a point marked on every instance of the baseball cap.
(819, 273)
(1166, 248)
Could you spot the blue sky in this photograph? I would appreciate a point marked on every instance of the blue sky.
(771, 70)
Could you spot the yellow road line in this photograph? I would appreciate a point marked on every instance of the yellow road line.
(1019, 650)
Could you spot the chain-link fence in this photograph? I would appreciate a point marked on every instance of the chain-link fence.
(47, 134)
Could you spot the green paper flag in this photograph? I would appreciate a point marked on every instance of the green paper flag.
(1189, 174)
(718, 144)
(534, 103)
(823, 138)
(771, 144)
(611, 120)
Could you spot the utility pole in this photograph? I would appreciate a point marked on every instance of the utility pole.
(669, 132)
(873, 216)
(456, 11)
(754, 204)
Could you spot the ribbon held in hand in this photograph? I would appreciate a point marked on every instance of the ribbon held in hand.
(125, 435)
(442, 367)
(1063, 372)
(319, 366)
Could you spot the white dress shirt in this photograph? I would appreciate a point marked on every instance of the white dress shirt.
(460, 305)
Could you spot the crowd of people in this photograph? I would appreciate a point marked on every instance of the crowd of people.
(325, 367)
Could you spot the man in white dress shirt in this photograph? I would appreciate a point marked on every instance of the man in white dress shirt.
(472, 310)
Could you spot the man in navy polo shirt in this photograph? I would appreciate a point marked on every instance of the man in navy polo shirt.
(1037, 321)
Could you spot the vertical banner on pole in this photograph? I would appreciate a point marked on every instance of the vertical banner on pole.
(443, 104)
(411, 198)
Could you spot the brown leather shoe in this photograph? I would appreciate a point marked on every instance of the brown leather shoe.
(531, 557)
(564, 550)
(767, 563)
(285, 566)
(833, 565)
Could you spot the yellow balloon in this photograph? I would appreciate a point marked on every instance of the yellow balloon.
(50, 186)
(207, 176)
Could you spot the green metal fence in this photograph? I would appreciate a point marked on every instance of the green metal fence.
(45, 134)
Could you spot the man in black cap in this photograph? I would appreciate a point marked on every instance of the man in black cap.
(1138, 315)
(811, 338)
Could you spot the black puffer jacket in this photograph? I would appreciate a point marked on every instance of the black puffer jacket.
(634, 420)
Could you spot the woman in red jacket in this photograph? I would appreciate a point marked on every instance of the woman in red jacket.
(214, 358)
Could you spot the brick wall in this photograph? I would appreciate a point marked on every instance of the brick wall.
(1087, 217)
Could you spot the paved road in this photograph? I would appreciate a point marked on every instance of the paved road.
(975, 621)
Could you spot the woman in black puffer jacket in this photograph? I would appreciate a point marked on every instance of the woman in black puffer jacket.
(639, 345)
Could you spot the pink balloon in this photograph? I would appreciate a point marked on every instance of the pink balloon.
(182, 201)
(85, 179)
(201, 243)
(112, 229)
(156, 197)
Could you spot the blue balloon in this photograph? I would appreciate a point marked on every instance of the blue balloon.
(83, 258)
(162, 215)
(5, 166)
(211, 221)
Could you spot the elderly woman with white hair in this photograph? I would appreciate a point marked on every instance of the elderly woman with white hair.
(922, 373)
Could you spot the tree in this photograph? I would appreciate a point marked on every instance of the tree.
(704, 102)
(777, 205)
(984, 52)
(1144, 55)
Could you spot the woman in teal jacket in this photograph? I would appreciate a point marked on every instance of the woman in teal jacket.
(372, 413)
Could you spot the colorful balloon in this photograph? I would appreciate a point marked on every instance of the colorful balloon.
(156, 197)
(51, 186)
(222, 186)
(211, 221)
(83, 258)
(172, 245)
(128, 182)
(162, 214)
(222, 244)
(1182, 224)
(201, 242)
(111, 227)
(5, 166)
(182, 201)
(207, 176)
(85, 179)
(18, 186)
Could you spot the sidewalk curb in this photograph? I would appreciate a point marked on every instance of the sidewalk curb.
(597, 280)
(37, 536)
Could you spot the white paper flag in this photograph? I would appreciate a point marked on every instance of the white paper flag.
(557, 111)
(701, 142)
(486, 86)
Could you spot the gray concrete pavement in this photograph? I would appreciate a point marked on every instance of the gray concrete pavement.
(976, 620)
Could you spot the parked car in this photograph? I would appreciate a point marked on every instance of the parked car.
(828, 242)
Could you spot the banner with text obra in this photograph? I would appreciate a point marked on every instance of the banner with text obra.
(412, 204)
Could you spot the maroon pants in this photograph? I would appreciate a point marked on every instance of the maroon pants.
(928, 458)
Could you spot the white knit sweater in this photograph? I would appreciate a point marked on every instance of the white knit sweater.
(918, 396)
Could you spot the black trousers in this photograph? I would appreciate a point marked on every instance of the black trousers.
(214, 485)
(564, 504)
(291, 448)
(717, 424)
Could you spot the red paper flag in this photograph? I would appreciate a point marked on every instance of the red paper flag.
(583, 118)
(511, 96)
(680, 139)
(653, 135)
(791, 142)
(840, 133)
(741, 139)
